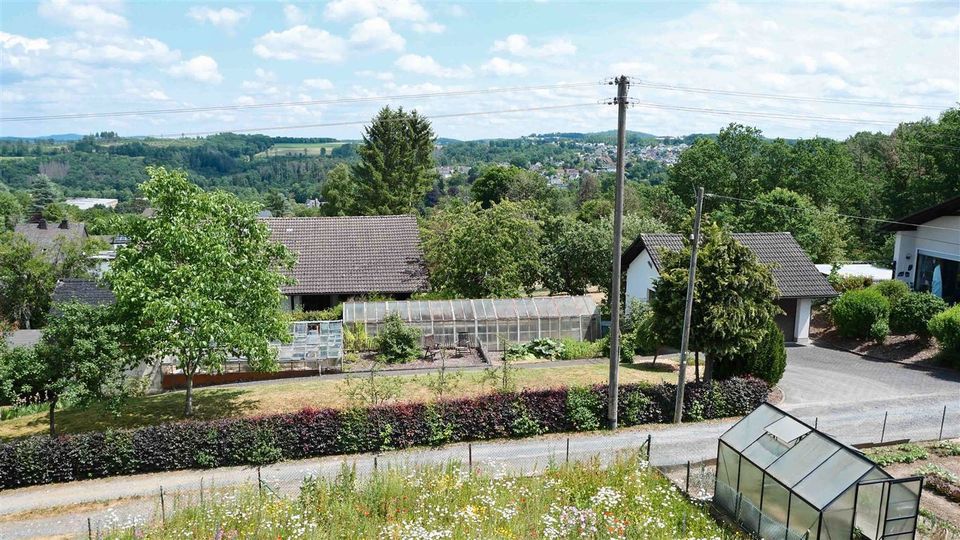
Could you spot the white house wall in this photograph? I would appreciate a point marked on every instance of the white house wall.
(640, 276)
(934, 239)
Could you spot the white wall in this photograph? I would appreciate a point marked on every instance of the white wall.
(802, 329)
(640, 276)
(934, 241)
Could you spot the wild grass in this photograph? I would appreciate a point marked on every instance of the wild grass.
(625, 500)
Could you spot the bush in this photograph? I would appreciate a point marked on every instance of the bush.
(313, 433)
(638, 332)
(540, 348)
(330, 314)
(575, 350)
(397, 342)
(879, 331)
(844, 284)
(855, 312)
(911, 313)
(355, 337)
(766, 362)
(893, 289)
(945, 326)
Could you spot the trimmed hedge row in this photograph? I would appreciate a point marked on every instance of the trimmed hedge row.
(313, 433)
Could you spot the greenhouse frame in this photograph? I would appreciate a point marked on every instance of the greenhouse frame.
(781, 479)
(490, 322)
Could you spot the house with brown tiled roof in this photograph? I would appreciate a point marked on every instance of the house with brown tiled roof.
(49, 237)
(795, 275)
(339, 258)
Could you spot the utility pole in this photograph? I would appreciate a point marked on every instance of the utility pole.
(613, 389)
(688, 309)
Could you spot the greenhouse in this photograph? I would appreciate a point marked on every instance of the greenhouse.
(782, 479)
(492, 322)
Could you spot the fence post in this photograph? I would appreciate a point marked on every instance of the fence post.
(686, 484)
(883, 430)
(259, 482)
(374, 463)
(649, 438)
(89, 530)
(568, 449)
(942, 420)
(201, 491)
(816, 420)
(470, 457)
(163, 508)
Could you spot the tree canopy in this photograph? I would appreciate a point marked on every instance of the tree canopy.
(200, 281)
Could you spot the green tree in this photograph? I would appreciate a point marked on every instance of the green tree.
(501, 182)
(26, 281)
(80, 356)
(339, 192)
(820, 234)
(41, 196)
(473, 252)
(733, 300)
(278, 204)
(10, 210)
(395, 170)
(575, 256)
(200, 281)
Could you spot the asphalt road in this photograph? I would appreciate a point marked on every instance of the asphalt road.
(852, 398)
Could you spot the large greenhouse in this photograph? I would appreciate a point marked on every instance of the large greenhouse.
(784, 480)
(492, 322)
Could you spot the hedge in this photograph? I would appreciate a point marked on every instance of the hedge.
(856, 312)
(313, 433)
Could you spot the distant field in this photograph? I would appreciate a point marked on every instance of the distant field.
(298, 149)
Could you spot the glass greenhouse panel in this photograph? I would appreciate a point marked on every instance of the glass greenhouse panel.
(803, 458)
(765, 450)
(804, 519)
(728, 466)
(832, 478)
(751, 427)
(838, 518)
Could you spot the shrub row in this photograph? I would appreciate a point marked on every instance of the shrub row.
(313, 433)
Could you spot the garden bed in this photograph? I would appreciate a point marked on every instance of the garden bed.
(905, 349)
(466, 358)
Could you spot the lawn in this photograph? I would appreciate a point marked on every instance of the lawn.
(625, 500)
(294, 395)
(295, 149)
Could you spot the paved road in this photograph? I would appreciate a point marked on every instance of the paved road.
(846, 395)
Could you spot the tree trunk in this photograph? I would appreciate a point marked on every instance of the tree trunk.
(708, 369)
(696, 364)
(656, 353)
(53, 414)
(188, 405)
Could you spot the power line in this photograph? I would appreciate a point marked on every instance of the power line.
(336, 101)
(781, 116)
(784, 97)
(838, 214)
(362, 122)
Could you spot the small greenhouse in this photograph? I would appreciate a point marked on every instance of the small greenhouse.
(784, 480)
(492, 322)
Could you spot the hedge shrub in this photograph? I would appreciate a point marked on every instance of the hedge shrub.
(855, 312)
(313, 433)
(945, 326)
(397, 342)
(911, 313)
(893, 289)
(768, 361)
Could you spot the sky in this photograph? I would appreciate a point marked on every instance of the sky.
(65, 57)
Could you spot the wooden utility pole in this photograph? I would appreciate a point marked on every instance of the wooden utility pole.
(688, 309)
(622, 83)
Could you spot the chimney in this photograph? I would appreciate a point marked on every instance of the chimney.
(64, 224)
(42, 223)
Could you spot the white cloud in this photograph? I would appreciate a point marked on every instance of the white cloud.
(83, 15)
(636, 69)
(300, 43)
(405, 10)
(375, 34)
(294, 15)
(225, 18)
(23, 43)
(318, 84)
(157, 95)
(199, 68)
(103, 50)
(932, 28)
(519, 45)
(426, 65)
(429, 28)
(379, 75)
(834, 62)
(761, 54)
(502, 67)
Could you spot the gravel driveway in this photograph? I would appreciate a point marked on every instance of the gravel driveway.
(855, 399)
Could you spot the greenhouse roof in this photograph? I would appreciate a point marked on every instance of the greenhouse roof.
(808, 462)
(479, 309)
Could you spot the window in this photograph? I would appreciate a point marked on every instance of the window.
(939, 276)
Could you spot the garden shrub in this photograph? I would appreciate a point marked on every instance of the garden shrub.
(574, 349)
(879, 331)
(546, 348)
(334, 313)
(397, 342)
(945, 326)
(855, 312)
(638, 329)
(313, 433)
(584, 408)
(911, 313)
(892, 289)
(355, 337)
(844, 284)
(768, 361)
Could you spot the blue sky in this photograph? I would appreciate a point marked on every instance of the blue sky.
(66, 57)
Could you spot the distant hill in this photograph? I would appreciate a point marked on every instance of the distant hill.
(63, 137)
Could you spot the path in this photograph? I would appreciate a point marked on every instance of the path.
(847, 396)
